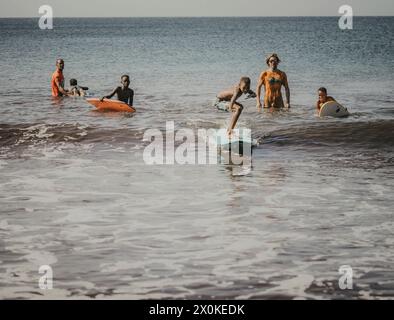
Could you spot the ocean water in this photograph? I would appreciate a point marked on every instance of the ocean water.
(76, 194)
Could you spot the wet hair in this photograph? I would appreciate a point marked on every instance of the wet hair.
(125, 75)
(58, 60)
(245, 80)
(73, 82)
(322, 89)
(273, 55)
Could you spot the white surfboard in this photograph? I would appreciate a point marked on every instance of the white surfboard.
(333, 109)
(240, 141)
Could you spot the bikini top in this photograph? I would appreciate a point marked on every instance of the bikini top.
(274, 80)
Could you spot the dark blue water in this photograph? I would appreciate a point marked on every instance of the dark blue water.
(77, 195)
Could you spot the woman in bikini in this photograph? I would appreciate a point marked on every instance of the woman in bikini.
(273, 79)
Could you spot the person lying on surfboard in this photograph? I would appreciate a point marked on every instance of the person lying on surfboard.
(323, 98)
(227, 100)
(76, 90)
(124, 93)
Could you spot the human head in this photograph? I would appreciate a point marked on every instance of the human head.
(244, 84)
(60, 64)
(73, 82)
(272, 60)
(322, 92)
(125, 80)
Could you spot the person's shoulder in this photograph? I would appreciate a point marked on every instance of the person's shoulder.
(282, 73)
(57, 73)
(263, 73)
(236, 90)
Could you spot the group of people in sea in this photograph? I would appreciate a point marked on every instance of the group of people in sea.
(124, 93)
(272, 79)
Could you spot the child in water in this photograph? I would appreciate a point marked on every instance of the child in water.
(76, 90)
(323, 98)
(124, 93)
(227, 100)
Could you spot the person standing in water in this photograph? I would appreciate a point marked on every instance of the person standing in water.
(124, 93)
(57, 82)
(273, 79)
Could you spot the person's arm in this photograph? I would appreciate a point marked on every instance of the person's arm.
(287, 89)
(258, 91)
(318, 105)
(110, 95)
(61, 89)
(73, 92)
(234, 98)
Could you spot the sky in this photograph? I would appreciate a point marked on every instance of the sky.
(187, 8)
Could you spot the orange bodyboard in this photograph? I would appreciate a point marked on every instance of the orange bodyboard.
(110, 105)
